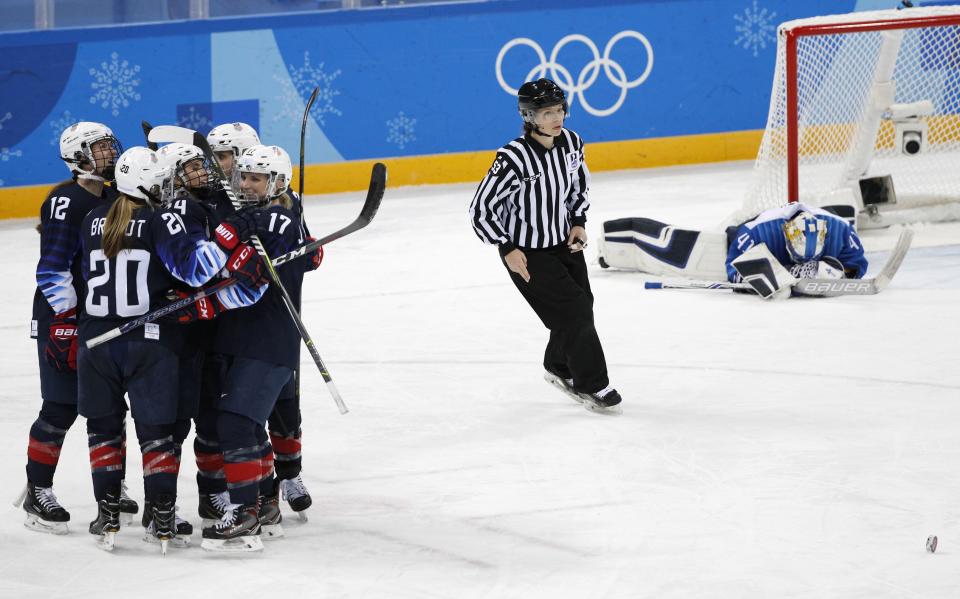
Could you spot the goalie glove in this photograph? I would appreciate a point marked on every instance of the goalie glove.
(61, 348)
(762, 271)
(203, 309)
(825, 268)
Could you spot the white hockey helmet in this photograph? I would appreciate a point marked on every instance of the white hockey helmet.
(805, 236)
(140, 174)
(272, 161)
(175, 156)
(232, 137)
(76, 143)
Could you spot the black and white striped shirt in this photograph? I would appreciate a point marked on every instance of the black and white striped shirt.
(531, 196)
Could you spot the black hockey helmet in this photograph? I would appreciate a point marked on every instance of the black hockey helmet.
(534, 95)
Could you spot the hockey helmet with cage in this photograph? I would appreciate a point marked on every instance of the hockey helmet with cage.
(197, 180)
(534, 95)
(272, 161)
(805, 236)
(140, 174)
(233, 137)
(76, 148)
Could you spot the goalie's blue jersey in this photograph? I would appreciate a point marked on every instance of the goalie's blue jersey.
(841, 241)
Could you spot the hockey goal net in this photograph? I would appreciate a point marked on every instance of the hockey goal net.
(861, 97)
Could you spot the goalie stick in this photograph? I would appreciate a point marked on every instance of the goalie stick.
(814, 287)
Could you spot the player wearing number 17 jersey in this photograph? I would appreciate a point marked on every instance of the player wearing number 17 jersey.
(131, 256)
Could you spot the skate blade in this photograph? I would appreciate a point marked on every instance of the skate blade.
(180, 542)
(593, 406)
(269, 532)
(108, 541)
(245, 544)
(562, 386)
(126, 518)
(34, 522)
(302, 515)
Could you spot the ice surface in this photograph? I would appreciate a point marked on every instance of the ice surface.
(803, 448)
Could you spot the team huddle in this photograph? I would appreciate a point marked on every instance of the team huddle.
(128, 233)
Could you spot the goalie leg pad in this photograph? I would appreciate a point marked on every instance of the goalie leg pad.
(654, 247)
(763, 272)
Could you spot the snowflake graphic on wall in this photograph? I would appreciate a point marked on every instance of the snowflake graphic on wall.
(5, 118)
(6, 154)
(400, 130)
(58, 125)
(115, 84)
(755, 28)
(194, 120)
(297, 88)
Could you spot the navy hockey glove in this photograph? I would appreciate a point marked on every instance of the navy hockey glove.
(316, 256)
(61, 350)
(237, 227)
(206, 308)
(247, 267)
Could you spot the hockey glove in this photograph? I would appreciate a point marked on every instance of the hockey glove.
(206, 308)
(247, 267)
(316, 256)
(237, 227)
(61, 350)
(826, 268)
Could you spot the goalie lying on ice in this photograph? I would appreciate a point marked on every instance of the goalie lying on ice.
(809, 242)
(770, 251)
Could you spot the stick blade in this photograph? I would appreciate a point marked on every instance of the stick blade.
(171, 134)
(378, 184)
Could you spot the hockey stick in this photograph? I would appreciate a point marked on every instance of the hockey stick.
(693, 284)
(370, 206)
(303, 223)
(815, 287)
(836, 287)
(147, 127)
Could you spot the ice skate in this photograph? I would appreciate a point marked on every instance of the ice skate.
(296, 495)
(269, 515)
(212, 507)
(128, 507)
(107, 523)
(184, 528)
(44, 512)
(606, 400)
(237, 532)
(165, 527)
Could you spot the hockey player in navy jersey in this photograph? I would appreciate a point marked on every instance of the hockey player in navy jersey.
(90, 152)
(259, 351)
(807, 242)
(132, 255)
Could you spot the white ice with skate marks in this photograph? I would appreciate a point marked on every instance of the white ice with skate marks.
(804, 448)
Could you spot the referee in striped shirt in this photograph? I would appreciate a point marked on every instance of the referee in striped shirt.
(533, 204)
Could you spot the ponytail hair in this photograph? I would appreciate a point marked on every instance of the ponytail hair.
(115, 227)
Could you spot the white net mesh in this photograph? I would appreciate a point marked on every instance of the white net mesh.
(846, 84)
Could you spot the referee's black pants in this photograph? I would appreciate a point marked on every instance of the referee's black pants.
(559, 292)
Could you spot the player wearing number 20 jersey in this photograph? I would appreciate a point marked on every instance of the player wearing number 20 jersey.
(132, 255)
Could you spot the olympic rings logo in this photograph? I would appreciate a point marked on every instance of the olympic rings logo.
(588, 74)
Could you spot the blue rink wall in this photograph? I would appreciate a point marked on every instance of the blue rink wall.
(430, 87)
